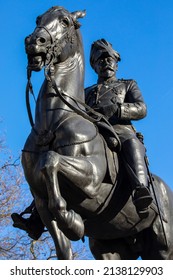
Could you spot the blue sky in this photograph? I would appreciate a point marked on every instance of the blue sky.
(141, 30)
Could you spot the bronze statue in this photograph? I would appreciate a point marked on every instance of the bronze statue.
(80, 186)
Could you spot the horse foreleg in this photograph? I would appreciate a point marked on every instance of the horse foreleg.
(68, 221)
(62, 243)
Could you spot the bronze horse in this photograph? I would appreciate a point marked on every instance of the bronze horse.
(78, 185)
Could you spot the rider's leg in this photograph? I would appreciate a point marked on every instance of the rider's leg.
(133, 153)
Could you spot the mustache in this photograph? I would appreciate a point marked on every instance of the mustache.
(108, 67)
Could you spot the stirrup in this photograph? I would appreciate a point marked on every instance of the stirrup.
(142, 200)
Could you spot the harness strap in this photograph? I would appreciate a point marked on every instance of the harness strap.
(141, 139)
(47, 30)
(29, 89)
(155, 196)
(61, 94)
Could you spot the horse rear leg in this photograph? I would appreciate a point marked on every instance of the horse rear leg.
(117, 249)
(62, 243)
(158, 245)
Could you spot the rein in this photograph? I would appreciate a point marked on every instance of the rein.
(61, 94)
(49, 74)
(29, 90)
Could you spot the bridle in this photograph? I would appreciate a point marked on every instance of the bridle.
(53, 50)
(56, 46)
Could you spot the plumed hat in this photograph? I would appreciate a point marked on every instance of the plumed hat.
(100, 47)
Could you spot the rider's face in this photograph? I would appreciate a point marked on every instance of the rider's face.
(105, 66)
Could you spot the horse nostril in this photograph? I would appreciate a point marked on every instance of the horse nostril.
(41, 40)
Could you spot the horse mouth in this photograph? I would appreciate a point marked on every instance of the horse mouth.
(36, 62)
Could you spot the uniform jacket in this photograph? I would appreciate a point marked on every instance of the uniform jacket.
(125, 93)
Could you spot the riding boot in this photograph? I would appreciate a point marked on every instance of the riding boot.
(133, 153)
(32, 225)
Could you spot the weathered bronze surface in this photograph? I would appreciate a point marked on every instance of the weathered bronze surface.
(79, 186)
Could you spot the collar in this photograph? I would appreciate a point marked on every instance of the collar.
(107, 81)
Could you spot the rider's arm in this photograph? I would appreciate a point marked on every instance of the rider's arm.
(134, 107)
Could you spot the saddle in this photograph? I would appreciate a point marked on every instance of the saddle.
(112, 147)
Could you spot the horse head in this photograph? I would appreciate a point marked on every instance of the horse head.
(54, 38)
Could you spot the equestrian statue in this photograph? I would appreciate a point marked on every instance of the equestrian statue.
(85, 164)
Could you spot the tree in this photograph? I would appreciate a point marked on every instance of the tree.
(10, 180)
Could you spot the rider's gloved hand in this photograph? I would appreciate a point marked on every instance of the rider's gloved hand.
(110, 110)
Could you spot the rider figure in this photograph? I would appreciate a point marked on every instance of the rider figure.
(120, 101)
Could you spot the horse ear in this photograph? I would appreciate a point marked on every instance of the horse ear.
(76, 15)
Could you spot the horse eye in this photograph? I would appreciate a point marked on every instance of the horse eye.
(65, 22)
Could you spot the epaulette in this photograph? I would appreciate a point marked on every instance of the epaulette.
(126, 80)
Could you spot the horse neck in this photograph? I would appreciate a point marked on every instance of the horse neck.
(69, 76)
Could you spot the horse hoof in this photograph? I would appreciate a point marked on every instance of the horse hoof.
(74, 229)
(77, 225)
(71, 235)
